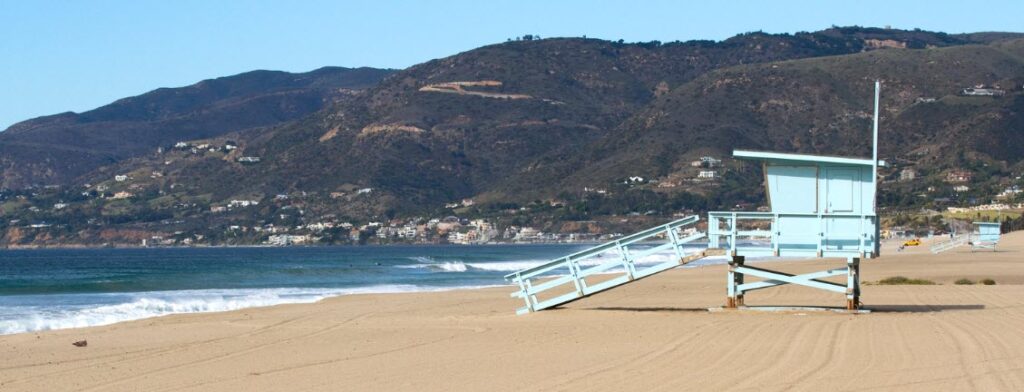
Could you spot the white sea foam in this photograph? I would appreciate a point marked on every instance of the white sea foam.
(20, 318)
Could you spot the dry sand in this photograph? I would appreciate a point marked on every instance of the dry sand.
(650, 335)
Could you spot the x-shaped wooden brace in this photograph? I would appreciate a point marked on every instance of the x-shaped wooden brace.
(775, 278)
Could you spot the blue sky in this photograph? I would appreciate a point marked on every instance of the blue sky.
(58, 56)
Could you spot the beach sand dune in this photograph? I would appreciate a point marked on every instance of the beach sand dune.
(652, 335)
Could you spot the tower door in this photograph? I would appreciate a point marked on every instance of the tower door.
(840, 190)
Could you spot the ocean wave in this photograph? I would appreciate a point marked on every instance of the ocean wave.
(134, 306)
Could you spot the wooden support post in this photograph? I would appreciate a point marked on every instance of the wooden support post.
(852, 283)
(735, 279)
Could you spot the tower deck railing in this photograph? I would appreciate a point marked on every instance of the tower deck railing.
(793, 234)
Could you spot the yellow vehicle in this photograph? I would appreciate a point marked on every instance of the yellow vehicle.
(913, 242)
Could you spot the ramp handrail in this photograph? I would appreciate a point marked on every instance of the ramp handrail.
(576, 273)
(953, 243)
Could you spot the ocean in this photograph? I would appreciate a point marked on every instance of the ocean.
(49, 289)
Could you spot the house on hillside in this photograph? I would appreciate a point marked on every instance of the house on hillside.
(243, 203)
(957, 176)
(707, 175)
(908, 174)
(1010, 192)
(976, 91)
(706, 161)
(249, 159)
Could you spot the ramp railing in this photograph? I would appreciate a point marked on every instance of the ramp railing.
(953, 243)
(566, 279)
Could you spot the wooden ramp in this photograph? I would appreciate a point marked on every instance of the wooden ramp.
(585, 273)
(951, 244)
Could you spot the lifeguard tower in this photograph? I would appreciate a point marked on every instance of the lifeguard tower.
(821, 207)
(985, 235)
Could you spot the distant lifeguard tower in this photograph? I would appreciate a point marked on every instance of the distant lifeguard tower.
(821, 207)
(985, 235)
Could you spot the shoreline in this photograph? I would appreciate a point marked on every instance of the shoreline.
(326, 293)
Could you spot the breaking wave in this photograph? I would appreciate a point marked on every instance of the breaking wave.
(57, 311)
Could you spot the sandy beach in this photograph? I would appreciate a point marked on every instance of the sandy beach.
(654, 334)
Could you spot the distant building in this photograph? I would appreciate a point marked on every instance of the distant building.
(288, 239)
(707, 174)
(121, 178)
(955, 176)
(1009, 193)
(527, 234)
(249, 159)
(982, 92)
(961, 188)
(122, 195)
(908, 174)
(243, 203)
(706, 161)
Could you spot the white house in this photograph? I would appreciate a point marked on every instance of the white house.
(708, 174)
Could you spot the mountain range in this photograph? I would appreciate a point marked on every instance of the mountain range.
(539, 121)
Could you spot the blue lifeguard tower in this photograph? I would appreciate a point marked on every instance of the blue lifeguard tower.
(986, 235)
(821, 207)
